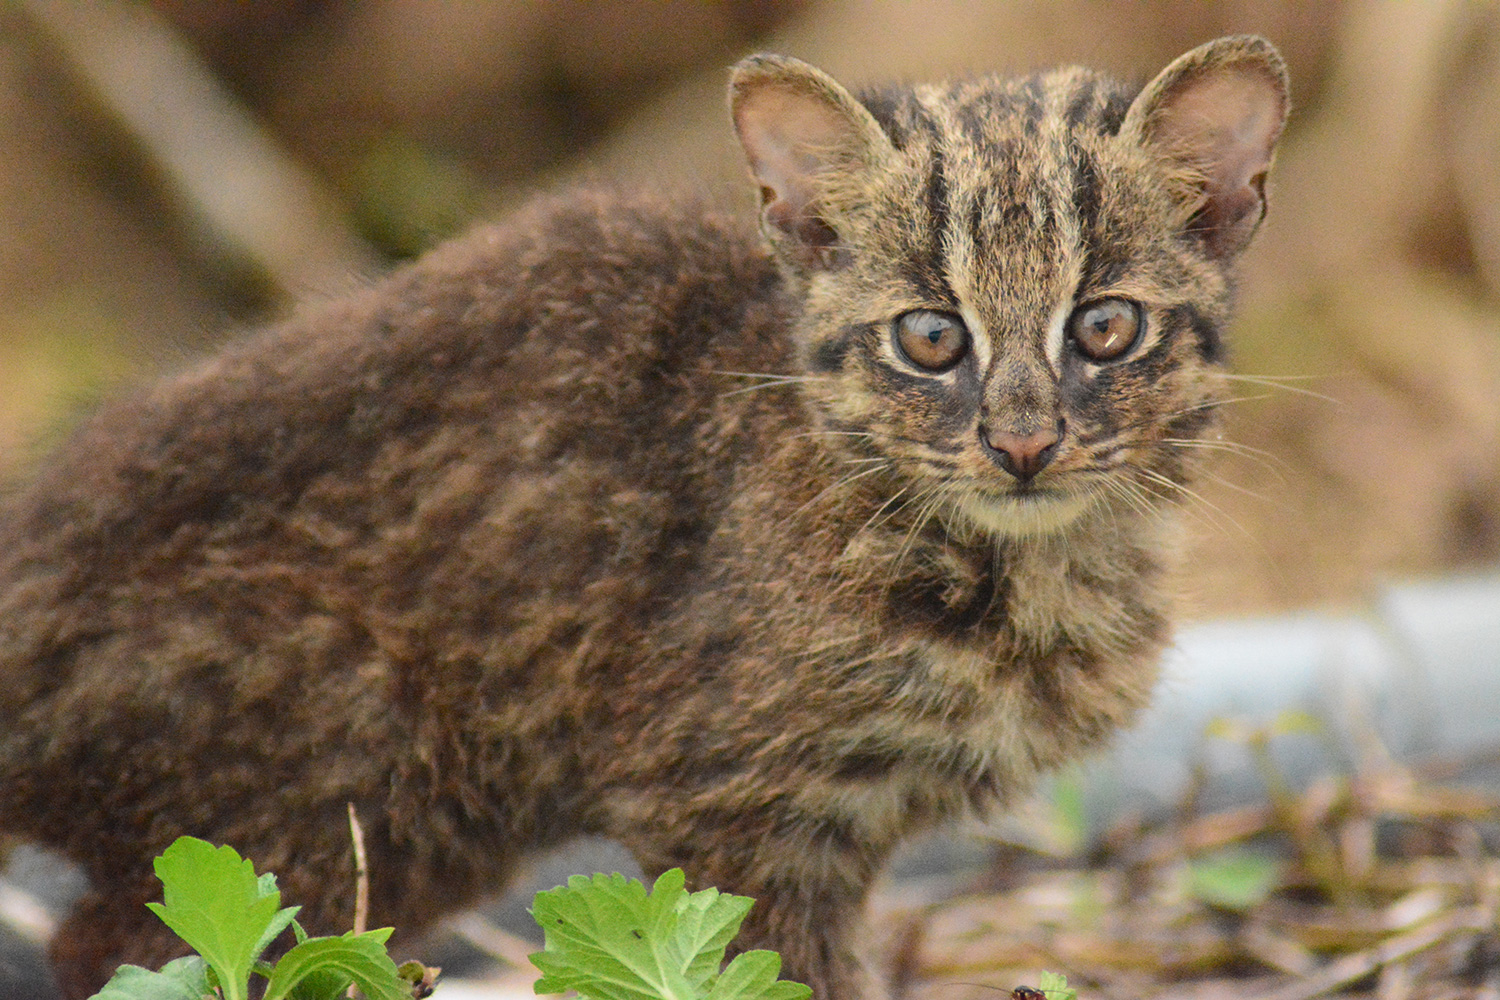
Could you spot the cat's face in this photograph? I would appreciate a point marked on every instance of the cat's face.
(1014, 290)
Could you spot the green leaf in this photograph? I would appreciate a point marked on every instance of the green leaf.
(706, 922)
(213, 901)
(323, 984)
(360, 959)
(752, 976)
(1056, 987)
(180, 979)
(1233, 879)
(1070, 823)
(267, 887)
(1297, 721)
(609, 940)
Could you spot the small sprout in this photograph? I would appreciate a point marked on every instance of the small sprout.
(423, 978)
(1234, 879)
(1055, 987)
(215, 902)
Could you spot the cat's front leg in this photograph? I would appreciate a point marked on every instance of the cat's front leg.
(819, 937)
(809, 906)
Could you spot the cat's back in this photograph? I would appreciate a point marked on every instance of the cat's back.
(494, 420)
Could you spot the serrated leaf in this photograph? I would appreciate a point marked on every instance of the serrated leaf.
(706, 922)
(360, 959)
(180, 979)
(752, 976)
(606, 938)
(609, 940)
(213, 900)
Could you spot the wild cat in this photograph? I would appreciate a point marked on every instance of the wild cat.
(757, 553)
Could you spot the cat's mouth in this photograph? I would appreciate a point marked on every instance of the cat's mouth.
(1023, 513)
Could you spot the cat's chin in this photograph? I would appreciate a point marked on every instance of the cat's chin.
(1025, 515)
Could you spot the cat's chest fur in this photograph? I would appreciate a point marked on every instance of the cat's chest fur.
(874, 670)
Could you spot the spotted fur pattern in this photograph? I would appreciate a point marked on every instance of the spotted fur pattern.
(606, 520)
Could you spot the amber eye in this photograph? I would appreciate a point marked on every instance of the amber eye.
(931, 340)
(1105, 329)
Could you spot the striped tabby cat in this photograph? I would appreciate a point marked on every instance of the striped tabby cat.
(756, 554)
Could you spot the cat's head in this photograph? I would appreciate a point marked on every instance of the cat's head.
(1014, 289)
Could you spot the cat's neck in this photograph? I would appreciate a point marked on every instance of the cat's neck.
(1092, 582)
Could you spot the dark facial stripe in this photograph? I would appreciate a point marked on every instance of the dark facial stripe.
(1193, 422)
(1209, 338)
(936, 199)
(1112, 116)
(893, 381)
(1106, 257)
(1081, 107)
(1013, 217)
(1085, 187)
(828, 356)
(973, 120)
(926, 267)
(1086, 203)
(1030, 101)
(1152, 366)
(885, 107)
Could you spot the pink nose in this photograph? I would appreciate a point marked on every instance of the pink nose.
(1022, 455)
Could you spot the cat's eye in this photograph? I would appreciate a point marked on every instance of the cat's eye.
(933, 341)
(1105, 329)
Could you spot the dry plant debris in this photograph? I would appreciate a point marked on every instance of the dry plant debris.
(1384, 883)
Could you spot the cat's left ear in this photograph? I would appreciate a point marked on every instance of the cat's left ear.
(1213, 117)
(810, 145)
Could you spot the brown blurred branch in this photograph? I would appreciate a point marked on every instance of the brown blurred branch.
(228, 176)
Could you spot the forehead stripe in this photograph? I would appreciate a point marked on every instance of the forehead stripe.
(936, 199)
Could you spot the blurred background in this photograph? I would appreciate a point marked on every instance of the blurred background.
(173, 172)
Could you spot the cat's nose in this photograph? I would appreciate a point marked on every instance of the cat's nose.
(1022, 455)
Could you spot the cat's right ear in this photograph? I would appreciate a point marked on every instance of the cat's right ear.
(1213, 117)
(809, 144)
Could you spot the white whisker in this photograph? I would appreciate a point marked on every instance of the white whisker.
(1274, 464)
(840, 484)
(1279, 382)
(772, 382)
(931, 500)
(1229, 484)
(1157, 477)
(773, 376)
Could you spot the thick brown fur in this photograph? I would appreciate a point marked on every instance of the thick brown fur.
(531, 540)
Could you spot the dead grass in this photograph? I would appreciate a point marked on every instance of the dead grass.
(1384, 883)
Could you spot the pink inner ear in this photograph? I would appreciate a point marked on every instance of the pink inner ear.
(789, 137)
(1224, 124)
